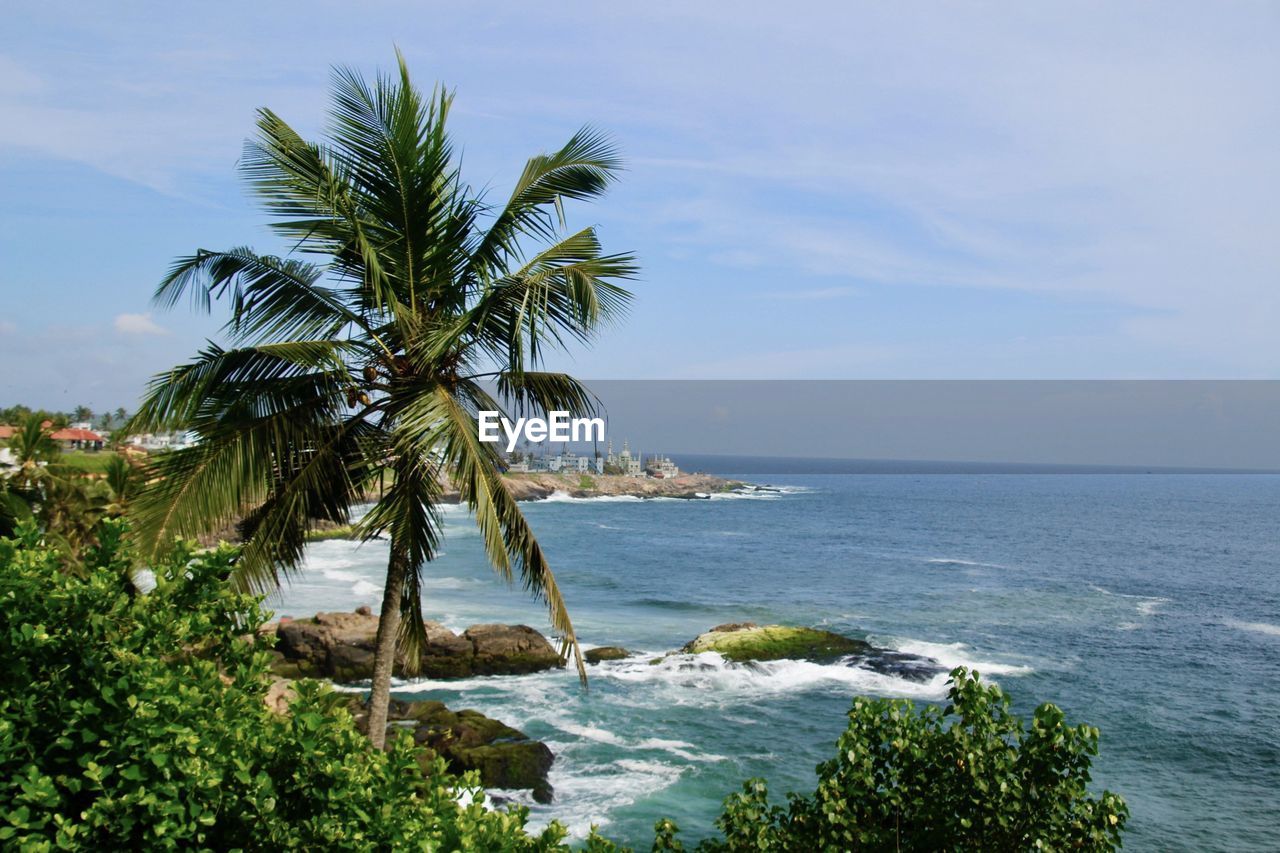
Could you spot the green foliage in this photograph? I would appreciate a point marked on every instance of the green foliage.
(52, 488)
(136, 721)
(341, 531)
(90, 461)
(586, 481)
(970, 776)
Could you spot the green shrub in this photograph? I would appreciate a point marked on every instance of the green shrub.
(136, 721)
(970, 776)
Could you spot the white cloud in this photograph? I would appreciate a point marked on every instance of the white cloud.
(138, 324)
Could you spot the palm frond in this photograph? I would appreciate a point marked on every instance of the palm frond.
(441, 422)
(582, 169)
(541, 392)
(272, 299)
(258, 380)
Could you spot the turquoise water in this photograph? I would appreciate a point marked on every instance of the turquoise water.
(1146, 605)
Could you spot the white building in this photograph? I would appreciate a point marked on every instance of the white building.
(662, 467)
(162, 440)
(629, 465)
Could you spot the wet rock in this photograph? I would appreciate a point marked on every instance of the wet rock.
(341, 646)
(334, 645)
(747, 641)
(603, 653)
(510, 650)
(744, 642)
(446, 655)
(468, 740)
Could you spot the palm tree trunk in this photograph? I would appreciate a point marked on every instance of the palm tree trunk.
(384, 656)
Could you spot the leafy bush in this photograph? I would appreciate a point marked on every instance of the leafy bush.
(132, 721)
(970, 776)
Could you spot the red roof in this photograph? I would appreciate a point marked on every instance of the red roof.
(73, 434)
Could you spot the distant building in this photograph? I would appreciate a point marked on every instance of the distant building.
(76, 437)
(662, 467)
(162, 440)
(624, 463)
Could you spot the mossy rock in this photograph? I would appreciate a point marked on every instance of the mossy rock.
(285, 668)
(468, 740)
(516, 764)
(515, 664)
(748, 642)
(604, 653)
(445, 666)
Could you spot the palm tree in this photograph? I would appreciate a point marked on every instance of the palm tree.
(122, 483)
(423, 305)
(54, 494)
(33, 450)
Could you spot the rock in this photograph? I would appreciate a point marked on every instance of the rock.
(468, 740)
(733, 626)
(510, 649)
(446, 655)
(604, 653)
(747, 641)
(364, 610)
(336, 645)
(341, 646)
(279, 696)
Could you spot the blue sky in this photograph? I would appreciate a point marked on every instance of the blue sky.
(908, 190)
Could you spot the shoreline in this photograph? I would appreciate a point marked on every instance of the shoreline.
(542, 485)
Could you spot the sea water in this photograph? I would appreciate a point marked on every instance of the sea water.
(1148, 606)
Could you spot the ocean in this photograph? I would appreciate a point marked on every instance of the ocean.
(1147, 605)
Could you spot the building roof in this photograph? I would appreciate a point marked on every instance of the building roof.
(75, 434)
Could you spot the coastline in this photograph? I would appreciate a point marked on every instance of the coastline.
(542, 485)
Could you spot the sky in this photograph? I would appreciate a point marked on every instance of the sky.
(814, 190)
(1205, 424)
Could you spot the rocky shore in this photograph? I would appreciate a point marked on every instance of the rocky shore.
(340, 647)
(539, 486)
(468, 740)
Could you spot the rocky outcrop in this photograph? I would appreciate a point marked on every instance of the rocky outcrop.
(604, 653)
(746, 641)
(340, 647)
(468, 740)
(537, 486)
(509, 650)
